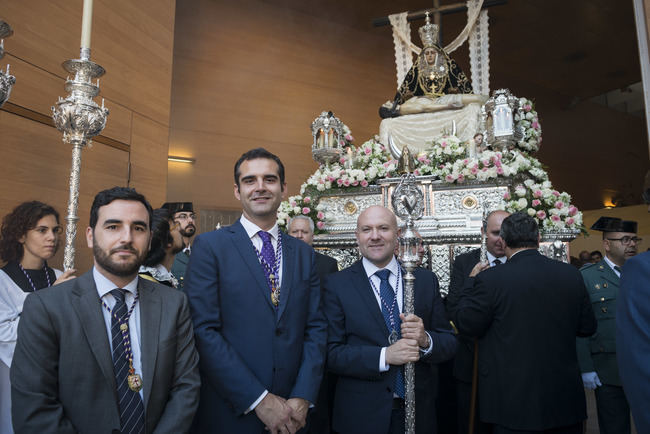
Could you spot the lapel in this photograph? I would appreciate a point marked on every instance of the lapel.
(150, 315)
(86, 303)
(608, 274)
(288, 257)
(246, 250)
(361, 284)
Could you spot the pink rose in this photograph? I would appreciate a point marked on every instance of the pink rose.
(506, 195)
(474, 170)
(559, 204)
(535, 125)
(342, 160)
(538, 193)
(386, 165)
(293, 203)
(555, 193)
(349, 137)
(330, 178)
(555, 218)
(416, 172)
(368, 151)
(527, 107)
(485, 162)
(443, 144)
(320, 215)
(364, 183)
(541, 214)
(485, 169)
(305, 210)
(320, 225)
(497, 163)
(355, 183)
(421, 158)
(346, 182)
(500, 170)
(306, 199)
(537, 202)
(570, 221)
(339, 182)
(321, 181)
(461, 177)
(449, 178)
(573, 210)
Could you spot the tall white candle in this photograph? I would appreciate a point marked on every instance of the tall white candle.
(86, 23)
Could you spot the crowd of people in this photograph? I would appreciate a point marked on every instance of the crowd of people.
(247, 328)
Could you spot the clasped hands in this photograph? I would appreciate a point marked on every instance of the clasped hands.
(407, 349)
(281, 415)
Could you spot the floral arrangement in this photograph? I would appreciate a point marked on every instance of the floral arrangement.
(360, 167)
(527, 119)
(300, 205)
(552, 209)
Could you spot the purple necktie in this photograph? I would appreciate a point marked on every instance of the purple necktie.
(267, 255)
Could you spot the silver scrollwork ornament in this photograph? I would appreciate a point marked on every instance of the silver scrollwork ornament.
(7, 80)
(80, 119)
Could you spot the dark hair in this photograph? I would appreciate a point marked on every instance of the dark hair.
(520, 230)
(161, 237)
(16, 224)
(117, 193)
(596, 252)
(254, 154)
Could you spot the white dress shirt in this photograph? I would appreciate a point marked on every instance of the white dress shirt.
(104, 288)
(252, 231)
(612, 265)
(393, 267)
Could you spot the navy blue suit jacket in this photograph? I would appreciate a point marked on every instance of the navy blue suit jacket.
(356, 334)
(245, 344)
(633, 337)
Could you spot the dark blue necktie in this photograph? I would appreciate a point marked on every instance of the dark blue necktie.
(130, 402)
(388, 297)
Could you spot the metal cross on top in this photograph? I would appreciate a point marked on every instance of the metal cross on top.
(437, 11)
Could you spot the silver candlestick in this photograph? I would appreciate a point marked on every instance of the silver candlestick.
(79, 118)
(7, 81)
(408, 203)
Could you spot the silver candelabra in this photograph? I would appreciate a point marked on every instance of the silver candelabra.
(7, 81)
(79, 118)
(408, 202)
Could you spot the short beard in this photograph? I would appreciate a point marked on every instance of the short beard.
(186, 233)
(107, 264)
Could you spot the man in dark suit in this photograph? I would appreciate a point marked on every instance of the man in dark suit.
(465, 268)
(633, 334)
(255, 300)
(183, 214)
(527, 314)
(319, 421)
(107, 352)
(369, 341)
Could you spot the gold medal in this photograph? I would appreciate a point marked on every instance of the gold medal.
(275, 299)
(124, 327)
(135, 382)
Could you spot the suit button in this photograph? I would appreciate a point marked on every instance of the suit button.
(278, 332)
(602, 349)
(604, 309)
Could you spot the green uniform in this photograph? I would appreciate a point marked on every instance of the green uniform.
(598, 352)
(179, 266)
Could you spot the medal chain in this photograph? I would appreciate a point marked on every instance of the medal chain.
(124, 329)
(272, 271)
(390, 308)
(31, 282)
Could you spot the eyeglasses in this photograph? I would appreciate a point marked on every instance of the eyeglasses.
(185, 216)
(626, 241)
(174, 226)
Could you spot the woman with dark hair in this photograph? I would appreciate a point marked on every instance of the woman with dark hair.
(166, 242)
(28, 238)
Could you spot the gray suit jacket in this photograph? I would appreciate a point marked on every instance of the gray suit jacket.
(62, 373)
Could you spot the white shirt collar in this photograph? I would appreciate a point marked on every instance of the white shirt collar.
(104, 286)
(252, 229)
(372, 268)
(491, 258)
(612, 265)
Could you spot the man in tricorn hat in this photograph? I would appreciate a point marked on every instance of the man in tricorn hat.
(183, 214)
(597, 354)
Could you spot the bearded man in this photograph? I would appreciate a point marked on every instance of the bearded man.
(107, 352)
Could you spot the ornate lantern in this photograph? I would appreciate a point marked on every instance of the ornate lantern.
(6, 81)
(499, 119)
(328, 134)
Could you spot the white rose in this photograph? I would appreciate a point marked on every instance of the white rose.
(531, 212)
(529, 183)
(522, 203)
(296, 210)
(320, 187)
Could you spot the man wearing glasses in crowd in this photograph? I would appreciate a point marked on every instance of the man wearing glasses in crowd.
(597, 354)
(183, 214)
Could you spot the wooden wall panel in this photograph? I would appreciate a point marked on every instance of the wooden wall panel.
(133, 41)
(36, 166)
(149, 159)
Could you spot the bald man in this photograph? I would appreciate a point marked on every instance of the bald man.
(370, 340)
